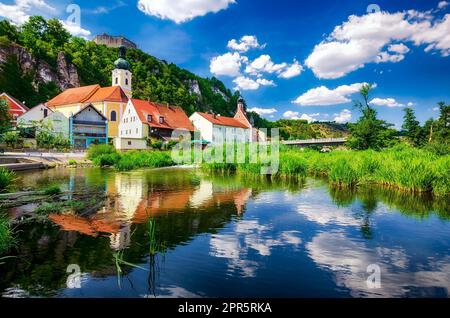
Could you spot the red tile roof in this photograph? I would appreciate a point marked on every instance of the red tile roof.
(13, 104)
(223, 121)
(73, 96)
(108, 94)
(174, 117)
(89, 94)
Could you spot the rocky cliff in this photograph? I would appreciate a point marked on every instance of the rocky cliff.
(64, 74)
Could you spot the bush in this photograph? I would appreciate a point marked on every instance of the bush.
(157, 144)
(171, 144)
(106, 160)
(6, 179)
(95, 151)
(48, 140)
(72, 162)
(11, 139)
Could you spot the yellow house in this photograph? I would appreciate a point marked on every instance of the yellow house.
(110, 101)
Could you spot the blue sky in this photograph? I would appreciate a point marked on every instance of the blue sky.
(290, 59)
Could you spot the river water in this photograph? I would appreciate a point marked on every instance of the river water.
(228, 236)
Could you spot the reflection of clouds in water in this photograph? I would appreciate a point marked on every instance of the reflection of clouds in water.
(249, 235)
(173, 292)
(15, 292)
(349, 261)
(316, 206)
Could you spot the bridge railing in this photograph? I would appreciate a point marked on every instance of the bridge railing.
(315, 141)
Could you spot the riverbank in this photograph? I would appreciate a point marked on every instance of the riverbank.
(403, 168)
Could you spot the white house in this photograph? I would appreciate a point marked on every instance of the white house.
(215, 128)
(144, 120)
(33, 116)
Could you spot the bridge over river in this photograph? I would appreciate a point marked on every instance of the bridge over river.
(328, 142)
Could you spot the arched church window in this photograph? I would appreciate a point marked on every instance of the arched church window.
(113, 116)
(126, 81)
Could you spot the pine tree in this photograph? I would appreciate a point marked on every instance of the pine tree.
(412, 128)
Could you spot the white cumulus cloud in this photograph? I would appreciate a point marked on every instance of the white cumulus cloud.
(389, 102)
(246, 43)
(291, 71)
(228, 64)
(343, 117)
(248, 84)
(323, 96)
(263, 111)
(181, 11)
(364, 39)
(296, 116)
(21, 10)
(264, 64)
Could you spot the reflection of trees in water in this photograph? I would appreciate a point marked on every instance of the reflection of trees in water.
(420, 206)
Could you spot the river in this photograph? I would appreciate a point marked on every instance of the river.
(230, 236)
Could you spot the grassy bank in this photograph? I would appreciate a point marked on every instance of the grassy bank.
(105, 155)
(402, 167)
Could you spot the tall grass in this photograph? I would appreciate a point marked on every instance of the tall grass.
(106, 155)
(402, 167)
(6, 179)
(7, 238)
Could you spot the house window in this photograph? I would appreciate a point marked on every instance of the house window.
(126, 81)
(113, 116)
(161, 119)
(117, 80)
(129, 143)
(45, 113)
(137, 130)
(149, 118)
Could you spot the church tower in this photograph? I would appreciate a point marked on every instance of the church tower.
(241, 113)
(121, 75)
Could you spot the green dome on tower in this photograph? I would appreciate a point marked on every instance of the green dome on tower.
(121, 63)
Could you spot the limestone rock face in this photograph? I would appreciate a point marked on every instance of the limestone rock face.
(65, 75)
(194, 88)
(218, 91)
(67, 72)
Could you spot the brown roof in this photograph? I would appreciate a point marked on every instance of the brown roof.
(89, 94)
(108, 94)
(223, 121)
(174, 117)
(88, 226)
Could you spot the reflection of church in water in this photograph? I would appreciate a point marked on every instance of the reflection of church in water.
(132, 200)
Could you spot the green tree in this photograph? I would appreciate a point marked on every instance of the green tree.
(414, 132)
(369, 132)
(442, 129)
(9, 31)
(5, 117)
(16, 83)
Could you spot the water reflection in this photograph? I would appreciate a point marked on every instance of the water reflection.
(231, 237)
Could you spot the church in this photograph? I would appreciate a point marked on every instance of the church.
(108, 101)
